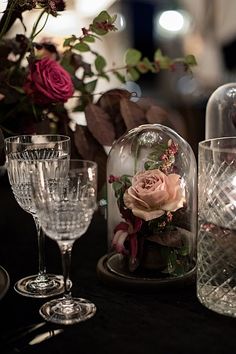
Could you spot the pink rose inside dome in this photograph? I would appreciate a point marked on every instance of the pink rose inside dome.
(153, 193)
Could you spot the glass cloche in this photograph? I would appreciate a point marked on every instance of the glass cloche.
(152, 205)
(221, 112)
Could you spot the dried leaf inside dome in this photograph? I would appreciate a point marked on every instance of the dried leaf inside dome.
(169, 239)
(100, 124)
(132, 114)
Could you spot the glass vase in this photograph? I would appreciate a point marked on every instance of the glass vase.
(152, 209)
(216, 283)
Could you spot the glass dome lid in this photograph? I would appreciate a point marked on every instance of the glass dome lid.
(151, 190)
(221, 112)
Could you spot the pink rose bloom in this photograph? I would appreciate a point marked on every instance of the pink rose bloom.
(153, 193)
(48, 82)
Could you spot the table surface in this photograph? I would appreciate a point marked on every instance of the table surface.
(170, 320)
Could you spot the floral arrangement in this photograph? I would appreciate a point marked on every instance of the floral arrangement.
(150, 203)
(37, 80)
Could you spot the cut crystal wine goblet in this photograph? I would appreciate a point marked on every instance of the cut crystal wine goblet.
(23, 152)
(65, 207)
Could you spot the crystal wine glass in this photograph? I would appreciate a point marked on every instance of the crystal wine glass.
(23, 152)
(65, 208)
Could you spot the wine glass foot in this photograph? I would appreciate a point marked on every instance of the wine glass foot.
(40, 286)
(67, 311)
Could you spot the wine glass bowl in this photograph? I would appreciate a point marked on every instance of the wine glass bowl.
(65, 207)
(23, 153)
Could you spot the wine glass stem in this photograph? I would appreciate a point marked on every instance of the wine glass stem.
(66, 262)
(41, 249)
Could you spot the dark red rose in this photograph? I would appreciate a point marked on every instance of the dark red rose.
(48, 82)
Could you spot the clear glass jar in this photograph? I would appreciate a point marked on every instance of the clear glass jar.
(221, 112)
(216, 225)
(152, 205)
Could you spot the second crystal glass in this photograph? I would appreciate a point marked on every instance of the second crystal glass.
(65, 206)
(23, 152)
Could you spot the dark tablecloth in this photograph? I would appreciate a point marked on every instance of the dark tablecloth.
(168, 321)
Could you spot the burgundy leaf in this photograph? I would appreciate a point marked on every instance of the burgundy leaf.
(146, 102)
(132, 114)
(156, 114)
(90, 149)
(119, 125)
(110, 100)
(176, 121)
(100, 124)
(84, 142)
